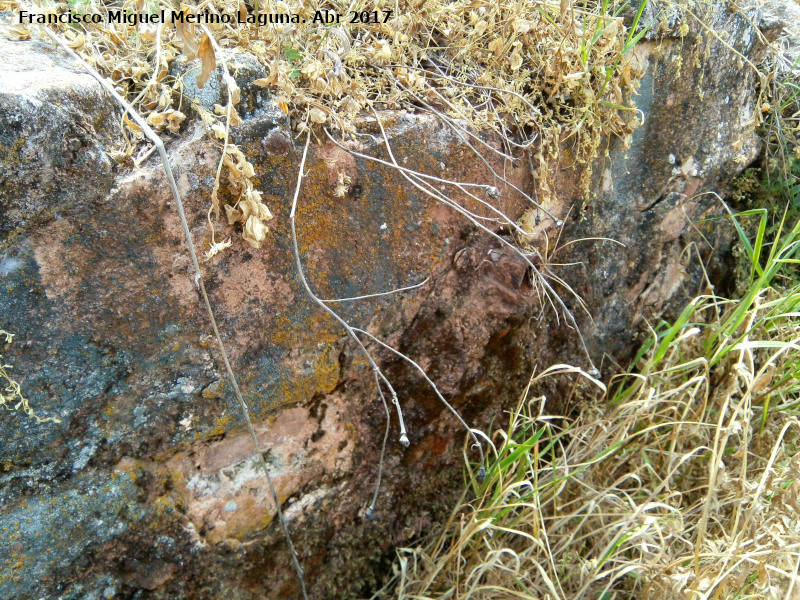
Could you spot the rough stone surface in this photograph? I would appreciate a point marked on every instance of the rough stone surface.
(56, 127)
(149, 489)
(242, 67)
(699, 101)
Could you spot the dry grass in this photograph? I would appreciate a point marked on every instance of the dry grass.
(682, 482)
(543, 76)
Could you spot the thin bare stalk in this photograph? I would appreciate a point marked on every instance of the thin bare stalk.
(379, 294)
(431, 191)
(482, 470)
(371, 509)
(198, 278)
(460, 185)
(301, 274)
(458, 131)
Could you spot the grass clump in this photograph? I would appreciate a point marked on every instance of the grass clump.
(682, 482)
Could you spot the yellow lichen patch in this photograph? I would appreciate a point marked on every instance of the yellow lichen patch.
(320, 377)
(222, 425)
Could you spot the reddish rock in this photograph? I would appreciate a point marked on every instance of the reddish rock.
(149, 487)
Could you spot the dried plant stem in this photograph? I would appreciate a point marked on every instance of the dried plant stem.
(371, 509)
(505, 219)
(379, 376)
(429, 190)
(461, 132)
(379, 294)
(482, 470)
(199, 283)
(229, 106)
(11, 397)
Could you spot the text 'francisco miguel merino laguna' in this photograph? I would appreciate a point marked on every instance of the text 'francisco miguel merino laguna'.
(166, 16)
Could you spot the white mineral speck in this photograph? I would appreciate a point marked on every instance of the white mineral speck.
(9, 265)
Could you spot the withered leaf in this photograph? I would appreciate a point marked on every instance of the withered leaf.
(157, 120)
(254, 232)
(384, 52)
(350, 106)
(18, 32)
(174, 120)
(236, 120)
(78, 42)
(185, 32)
(234, 214)
(317, 115)
(130, 123)
(206, 54)
(219, 130)
(251, 205)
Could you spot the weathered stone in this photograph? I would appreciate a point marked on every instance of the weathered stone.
(56, 128)
(242, 67)
(149, 488)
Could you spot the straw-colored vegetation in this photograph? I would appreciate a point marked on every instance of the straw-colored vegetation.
(682, 482)
(11, 397)
(543, 76)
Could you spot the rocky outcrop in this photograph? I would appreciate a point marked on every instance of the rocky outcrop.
(148, 487)
(699, 100)
(46, 105)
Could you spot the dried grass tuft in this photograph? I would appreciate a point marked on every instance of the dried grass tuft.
(556, 71)
(682, 483)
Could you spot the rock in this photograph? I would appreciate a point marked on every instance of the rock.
(699, 102)
(149, 488)
(243, 68)
(780, 22)
(56, 129)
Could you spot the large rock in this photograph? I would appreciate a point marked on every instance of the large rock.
(56, 129)
(698, 98)
(148, 488)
